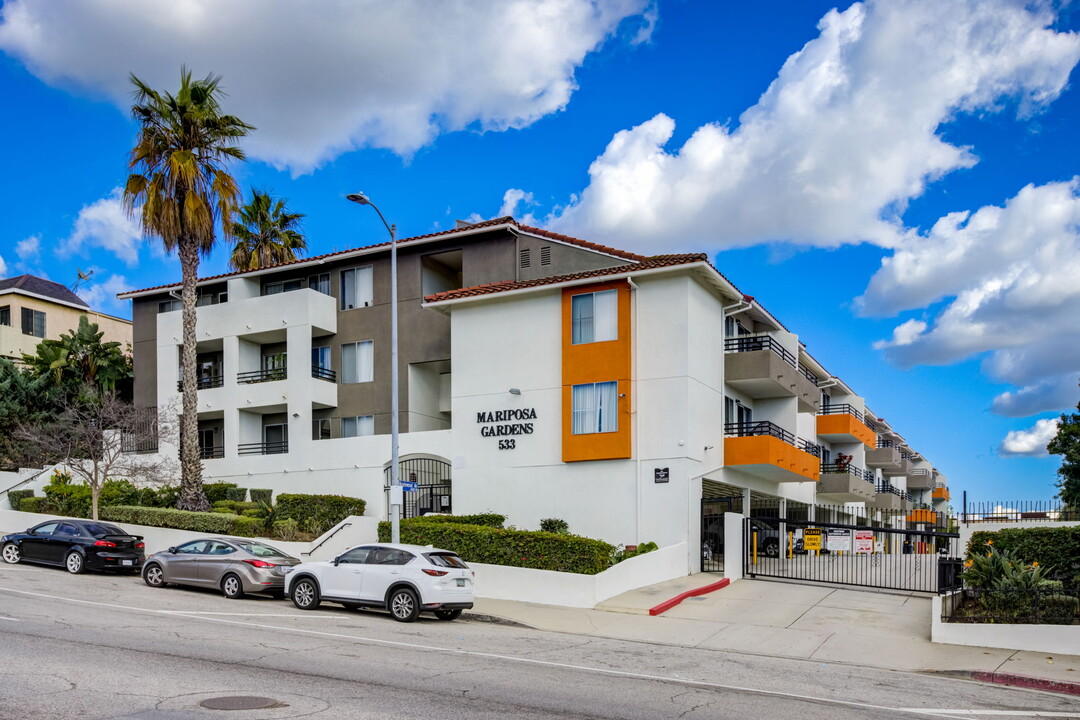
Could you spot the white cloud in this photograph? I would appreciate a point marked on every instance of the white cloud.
(844, 137)
(1031, 442)
(104, 224)
(1009, 278)
(321, 78)
(3, 267)
(28, 249)
(102, 296)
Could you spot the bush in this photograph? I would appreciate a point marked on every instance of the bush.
(261, 496)
(555, 525)
(223, 510)
(236, 494)
(514, 548)
(217, 491)
(17, 496)
(486, 519)
(253, 513)
(248, 527)
(206, 522)
(621, 553)
(317, 513)
(34, 505)
(286, 530)
(1056, 548)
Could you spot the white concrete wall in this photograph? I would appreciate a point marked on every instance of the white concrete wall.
(1062, 639)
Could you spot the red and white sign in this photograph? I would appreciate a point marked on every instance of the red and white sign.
(864, 541)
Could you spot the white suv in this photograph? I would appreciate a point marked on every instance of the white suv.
(404, 579)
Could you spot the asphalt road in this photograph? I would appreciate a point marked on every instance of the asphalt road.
(103, 646)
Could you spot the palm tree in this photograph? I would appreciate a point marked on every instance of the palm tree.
(181, 190)
(266, 234)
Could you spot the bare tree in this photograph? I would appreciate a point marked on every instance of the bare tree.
(87, 438)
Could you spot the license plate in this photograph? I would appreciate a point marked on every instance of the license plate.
(127, 562)
(461, 582)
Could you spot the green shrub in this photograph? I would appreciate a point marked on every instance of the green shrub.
(248, 527)
(207, 522)
(34, 505)
(621, 553)
(236, 494)
(514, 548)
(165, 496)
(486, 519)
(17, 496)
(223, 510)
(253, 513)
(317, 513)
(261, 496)
(286, 530)
(1056, 548)
(217, 491)
(554, 525)
(222, 503)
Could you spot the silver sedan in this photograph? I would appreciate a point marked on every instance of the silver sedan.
(233, 565)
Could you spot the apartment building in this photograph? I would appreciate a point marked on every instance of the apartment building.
(33, 309)
(541, 376)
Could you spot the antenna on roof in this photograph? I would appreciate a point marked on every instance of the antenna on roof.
(83, 277)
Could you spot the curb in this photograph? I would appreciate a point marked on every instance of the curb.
(668, 604)
(1012, 679)
(494, 620)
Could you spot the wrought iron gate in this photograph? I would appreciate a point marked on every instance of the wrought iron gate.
(434, 491)
(887, 558)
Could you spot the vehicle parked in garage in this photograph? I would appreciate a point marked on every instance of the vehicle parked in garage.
(76, 545)
(768, 530)
(404, 579)
(233, 565)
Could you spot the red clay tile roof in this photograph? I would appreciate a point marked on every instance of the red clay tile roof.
(507, 220)
(647, 263)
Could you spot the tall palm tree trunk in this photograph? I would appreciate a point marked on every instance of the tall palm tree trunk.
(192, 496)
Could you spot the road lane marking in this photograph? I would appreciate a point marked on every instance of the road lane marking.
(308, 616)
(509, 658)
(1002, 713)
(11, 619)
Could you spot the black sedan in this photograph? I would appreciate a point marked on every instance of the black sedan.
(76, 545)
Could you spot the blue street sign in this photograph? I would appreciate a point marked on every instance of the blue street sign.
(408, 486)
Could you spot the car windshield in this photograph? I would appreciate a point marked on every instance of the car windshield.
(259, 550)
(102, 529)
(449, 560)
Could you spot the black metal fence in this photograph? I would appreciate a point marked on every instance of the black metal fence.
(260, 376)
(434, 487)
(263, 448)
(851, 554)
(1049, 605)
(1018, 511)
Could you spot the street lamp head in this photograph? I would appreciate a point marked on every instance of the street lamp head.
(359, 198)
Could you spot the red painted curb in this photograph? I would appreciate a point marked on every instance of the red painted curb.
(1025, 681)
(668, 604)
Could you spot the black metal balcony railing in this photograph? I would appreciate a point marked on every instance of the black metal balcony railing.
(753, 343)
(762, 427)
(884, 443)
(840, 468)
(210, 452)
(807, 374)
(906, 455)
(323, 373)
(844, 409)
(212, 381)
(920, 472)
(808, 447)
(263, 448)
(259, 376)
(885, 488)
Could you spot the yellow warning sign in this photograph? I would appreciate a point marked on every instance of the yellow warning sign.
(811, 539)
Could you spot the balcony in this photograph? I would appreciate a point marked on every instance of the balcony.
(211, 452)
(261, 376)
(322, 373)
(927, 516)
(203, 383)
(760, 367)
(941, 493)
(888, 497)
(843, 482)
(885, 456)
(920, 479)
(844, 423)
(768, 451)
(259, 315)
(263, 448)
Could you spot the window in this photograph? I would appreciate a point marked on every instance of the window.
(196, 547)
(356, 556)
(279, 287)
(67, 529)
(320, 283)
(320, 429)
(275, 439)
(33, 322)
(596, 408)
(595, 317)
(168, 306)
(356, 288)
(320, 357)
(5, 315)
(356, 362)
(357, 426)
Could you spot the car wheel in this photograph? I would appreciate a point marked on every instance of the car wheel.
(772, 549)
(154, 576)
(74, 563)
(448, 614)
(11, 553)
(404, 605)
(232, 587)
(305, 594)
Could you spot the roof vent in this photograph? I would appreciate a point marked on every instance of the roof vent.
(526, 260)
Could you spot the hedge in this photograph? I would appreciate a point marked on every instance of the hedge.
(17, 496)
(261, 496)
(317, 513)
(236, 494)
(486, 519)
(217, 491)
(514, 548)
(207, 522)
(34, 504)
(1057, 548)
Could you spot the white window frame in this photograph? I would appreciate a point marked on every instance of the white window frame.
(356, 372)
(357, 287)
(595, 408)
(359, 426)
(594, 317)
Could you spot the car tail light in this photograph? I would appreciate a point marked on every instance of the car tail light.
(140, 546)
(104, 543)
(260, 563)
(434, 573)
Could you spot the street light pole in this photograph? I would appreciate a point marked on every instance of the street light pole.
(395, 479)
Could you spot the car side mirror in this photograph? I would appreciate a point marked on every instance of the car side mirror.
(337, 560)
(172, 550)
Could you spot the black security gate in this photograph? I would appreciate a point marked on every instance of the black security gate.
(835, 553)
(434, 488)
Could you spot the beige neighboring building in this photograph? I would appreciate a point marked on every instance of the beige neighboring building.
(33, 309)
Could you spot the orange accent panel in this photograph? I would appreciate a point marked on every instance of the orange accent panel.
(597, 362)
(923, 516)
(844, 424)
(941, 493)
(767, 450)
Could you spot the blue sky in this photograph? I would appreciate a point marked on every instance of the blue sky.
(896, 181)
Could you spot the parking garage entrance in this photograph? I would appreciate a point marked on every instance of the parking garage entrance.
(719, 498)
(434, 489)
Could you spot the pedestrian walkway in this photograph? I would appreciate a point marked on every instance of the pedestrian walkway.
(824, 624)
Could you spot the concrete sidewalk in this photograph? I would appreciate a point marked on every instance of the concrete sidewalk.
(825, 624)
